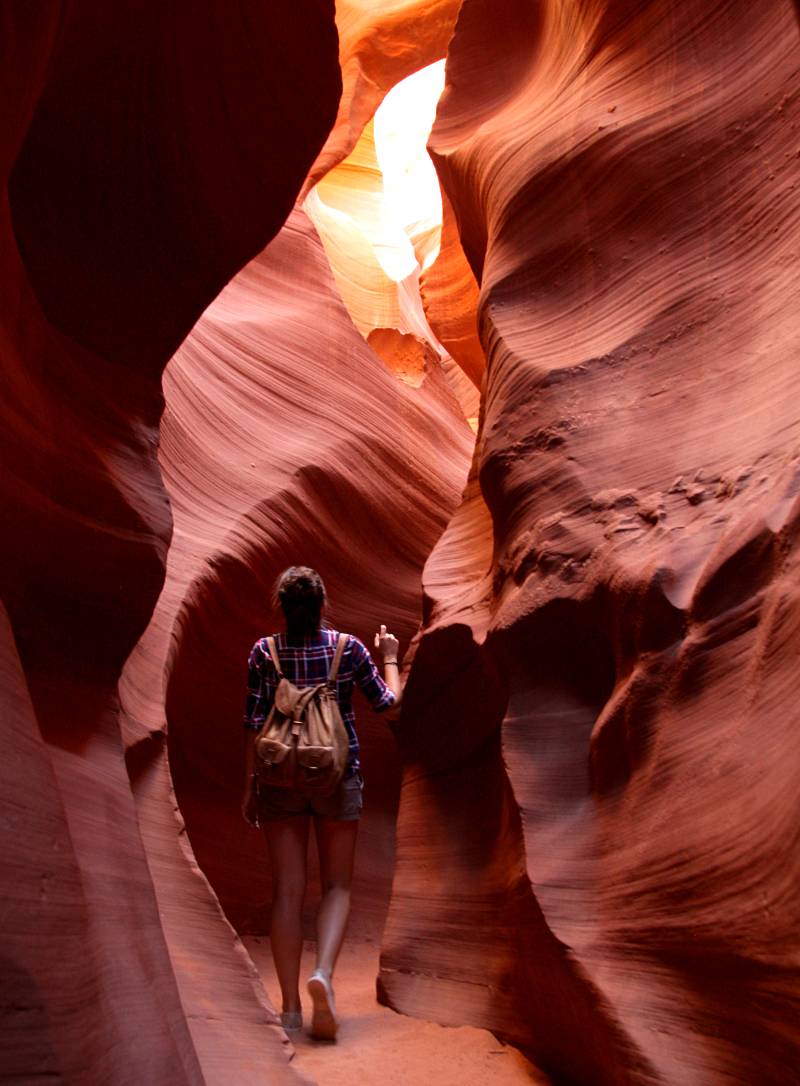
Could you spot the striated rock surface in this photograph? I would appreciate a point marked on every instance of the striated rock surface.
(379, 216)
(347, 209)
(611, 745)
(285, 439)
(380, 43)
(139, 173)
(597, 836)
(450, 300)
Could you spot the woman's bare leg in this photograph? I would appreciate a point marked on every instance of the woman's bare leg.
(287, 840)
(336, 843)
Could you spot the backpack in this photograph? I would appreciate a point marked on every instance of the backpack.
(303, 744)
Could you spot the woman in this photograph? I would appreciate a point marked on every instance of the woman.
(305, 652)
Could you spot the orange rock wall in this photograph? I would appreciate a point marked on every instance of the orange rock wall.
(139, 173)
(380, 43)
(450, 300)
(606, 764)
(597, 822)
(285, 439)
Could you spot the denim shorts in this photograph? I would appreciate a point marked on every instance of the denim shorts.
(343, 805)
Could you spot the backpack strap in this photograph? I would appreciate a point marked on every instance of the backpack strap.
(274, 654)
(337, 658)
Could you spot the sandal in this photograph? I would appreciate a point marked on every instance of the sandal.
(324, 1022)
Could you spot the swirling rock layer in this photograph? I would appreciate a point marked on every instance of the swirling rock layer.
(380, 43)
(285, 439)
(450, 299)
(138, 173)
(597, 839)
(615, 749)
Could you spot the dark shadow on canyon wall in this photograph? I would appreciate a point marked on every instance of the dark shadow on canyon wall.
(139, 169)
(490, 957)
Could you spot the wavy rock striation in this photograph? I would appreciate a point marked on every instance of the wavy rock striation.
(606, 765)
(380, 43)
(597, 835)
(140, 168)
(450, 300)
(285, 439)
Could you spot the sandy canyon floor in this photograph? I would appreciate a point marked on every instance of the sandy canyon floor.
(376, 1045)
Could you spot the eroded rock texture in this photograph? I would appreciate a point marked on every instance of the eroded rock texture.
(450, 300)
(139, 173)
(286, 439)
(597, 838)
(380, 43)
(602, 733)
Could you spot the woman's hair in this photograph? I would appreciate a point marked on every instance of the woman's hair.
(300, 592)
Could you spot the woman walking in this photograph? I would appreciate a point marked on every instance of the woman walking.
(305, 651)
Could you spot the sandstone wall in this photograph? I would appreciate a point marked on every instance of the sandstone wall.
(139, 171)
(380, 43)
(614, 761)
(597, 821)
(285, 440)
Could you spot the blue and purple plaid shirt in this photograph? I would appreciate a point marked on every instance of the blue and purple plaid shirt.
(306, 663)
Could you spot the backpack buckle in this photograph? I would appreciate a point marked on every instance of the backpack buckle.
(297, 726)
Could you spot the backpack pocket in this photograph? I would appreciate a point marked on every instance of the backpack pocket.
(312, 758)
(271, 751)
(315, 768)
(274, 764)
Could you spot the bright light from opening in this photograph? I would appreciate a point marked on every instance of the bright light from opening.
(379, 212)
(379, 217)
(412, 202)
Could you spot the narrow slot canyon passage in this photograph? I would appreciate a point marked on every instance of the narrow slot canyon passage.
(486, 310)
(289, 486)
(365, 308)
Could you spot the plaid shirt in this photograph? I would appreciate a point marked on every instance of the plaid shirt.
(307, 664)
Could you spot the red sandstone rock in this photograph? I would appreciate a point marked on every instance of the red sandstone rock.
(139, 152)
(380, 43)
(405, 355)
(348, 199)
(599, 807)
(612, 758)
(450, 299)
(285, 439)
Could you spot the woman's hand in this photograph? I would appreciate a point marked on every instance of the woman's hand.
(250, 806)
(388, 645)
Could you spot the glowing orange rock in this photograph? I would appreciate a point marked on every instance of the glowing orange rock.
(380, 43)
(601, 717)
(450, 300)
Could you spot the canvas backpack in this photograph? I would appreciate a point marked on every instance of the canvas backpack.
(303, 744)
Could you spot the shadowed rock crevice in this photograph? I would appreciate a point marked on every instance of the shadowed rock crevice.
(561, 672)
(111, 242)
(466, 940)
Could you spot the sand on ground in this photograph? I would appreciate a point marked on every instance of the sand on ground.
(375, 1045)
